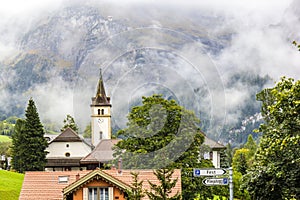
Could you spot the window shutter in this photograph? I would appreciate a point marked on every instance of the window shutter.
(85, 194)
(110, 193)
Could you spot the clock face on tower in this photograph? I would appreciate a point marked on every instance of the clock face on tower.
(100, 121)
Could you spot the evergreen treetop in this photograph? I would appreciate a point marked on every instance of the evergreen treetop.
(29, 144)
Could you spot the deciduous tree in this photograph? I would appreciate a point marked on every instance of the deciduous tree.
(162, 134)
(276, 171)
(70, 122)
(88, 131)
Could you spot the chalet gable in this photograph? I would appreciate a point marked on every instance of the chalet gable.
(95, 175)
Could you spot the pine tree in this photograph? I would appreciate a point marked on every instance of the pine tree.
(251, 145)
(162, 191)
(137, 192)
(29, 143)
(18, 146)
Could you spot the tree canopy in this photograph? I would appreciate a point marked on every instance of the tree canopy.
(159, 133)
(162, 134)
(70, 122)
(276, 170)
(28, 142)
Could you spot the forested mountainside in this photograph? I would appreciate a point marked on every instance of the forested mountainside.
(140, 53)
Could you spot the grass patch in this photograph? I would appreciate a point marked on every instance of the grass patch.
(11, 184)
(5, 138)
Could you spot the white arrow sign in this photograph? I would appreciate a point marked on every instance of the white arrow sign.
(215, 181)
(209, 172)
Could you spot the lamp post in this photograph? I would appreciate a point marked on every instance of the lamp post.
(230, 183)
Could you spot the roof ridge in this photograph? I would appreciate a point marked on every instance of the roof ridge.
(68, 135)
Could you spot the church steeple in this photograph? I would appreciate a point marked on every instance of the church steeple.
(101, 114)
(101, 98)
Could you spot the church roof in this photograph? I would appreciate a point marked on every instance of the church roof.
(101, 98)
(68, 135)
(103, 152)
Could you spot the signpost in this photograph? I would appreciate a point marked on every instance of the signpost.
(209, 172)
(215, 181)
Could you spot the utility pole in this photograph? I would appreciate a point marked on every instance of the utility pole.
(230, 183)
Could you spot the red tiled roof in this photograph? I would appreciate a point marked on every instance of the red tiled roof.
(145, 176)
(45, 185)
(102, 153)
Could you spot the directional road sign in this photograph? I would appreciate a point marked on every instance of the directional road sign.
(209, 172)
(215, 181)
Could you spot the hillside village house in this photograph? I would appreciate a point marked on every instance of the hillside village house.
(87, 185)
(68, 151)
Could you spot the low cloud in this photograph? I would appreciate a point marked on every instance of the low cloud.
(248, 36)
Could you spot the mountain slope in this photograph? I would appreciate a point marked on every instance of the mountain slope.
(142, 50)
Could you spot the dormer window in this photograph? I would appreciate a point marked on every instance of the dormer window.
(63, 179)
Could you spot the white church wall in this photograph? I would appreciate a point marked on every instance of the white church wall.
(68, 149)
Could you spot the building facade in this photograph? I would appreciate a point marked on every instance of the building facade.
(65, 152)
(98, 184)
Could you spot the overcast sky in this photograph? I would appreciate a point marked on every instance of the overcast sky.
(13, 7)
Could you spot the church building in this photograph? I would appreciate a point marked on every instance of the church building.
(68, 151)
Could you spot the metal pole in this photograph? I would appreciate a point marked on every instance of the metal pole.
(230, 183)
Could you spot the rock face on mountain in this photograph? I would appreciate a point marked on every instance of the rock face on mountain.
(139, 56)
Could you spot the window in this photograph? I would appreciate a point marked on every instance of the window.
(67, 145)
(102, 112)
(206, 156)
(67, 154)
(98, 111)
(101, 135)
(98, 193)
(63, 179)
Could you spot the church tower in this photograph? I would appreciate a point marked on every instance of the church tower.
(101, 114)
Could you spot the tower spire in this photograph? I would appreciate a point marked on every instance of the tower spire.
(101, 114)
(100, 98)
